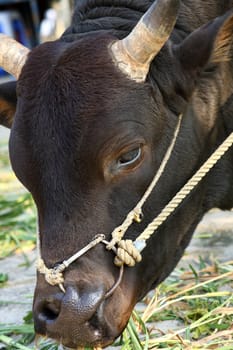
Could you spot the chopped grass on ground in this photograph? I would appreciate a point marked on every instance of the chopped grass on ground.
(204, 310)
(18, 224)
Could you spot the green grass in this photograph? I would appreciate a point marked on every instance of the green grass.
(200, 297)
(18, 223)
(17, 212)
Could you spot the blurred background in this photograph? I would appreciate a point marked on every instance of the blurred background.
(34, 21)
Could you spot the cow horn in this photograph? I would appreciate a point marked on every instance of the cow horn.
(134, 53)
(12, 55)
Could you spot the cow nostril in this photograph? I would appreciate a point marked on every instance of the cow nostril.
(49, 311)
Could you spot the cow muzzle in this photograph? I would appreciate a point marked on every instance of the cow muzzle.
(82, 316)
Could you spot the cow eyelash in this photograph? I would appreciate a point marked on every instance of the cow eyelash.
(129, 157)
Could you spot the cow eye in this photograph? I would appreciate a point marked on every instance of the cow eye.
(130, 157)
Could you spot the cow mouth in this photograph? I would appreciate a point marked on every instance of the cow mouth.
(74, 325)
(98, 341)
(90, 334)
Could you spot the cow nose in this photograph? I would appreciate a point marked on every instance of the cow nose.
(78, 311)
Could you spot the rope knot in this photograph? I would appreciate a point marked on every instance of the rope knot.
(138, 215)
(127, 253)
(52, 276)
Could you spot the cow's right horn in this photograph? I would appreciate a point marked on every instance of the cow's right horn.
(134, 53)
(13, 55)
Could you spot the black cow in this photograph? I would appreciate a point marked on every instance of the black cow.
(94, 114)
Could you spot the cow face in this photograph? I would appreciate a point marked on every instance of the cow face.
(82, 145)
(87, 138)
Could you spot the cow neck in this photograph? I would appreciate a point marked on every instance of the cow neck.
(128, 252)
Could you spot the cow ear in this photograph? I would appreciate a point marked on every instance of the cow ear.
(211, 43)
(8, 102)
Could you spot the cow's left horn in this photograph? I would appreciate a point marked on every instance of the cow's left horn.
(12, 55)
(134, 53)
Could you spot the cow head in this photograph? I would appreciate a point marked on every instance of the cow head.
(90, 129)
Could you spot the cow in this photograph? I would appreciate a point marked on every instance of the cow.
(92, 115)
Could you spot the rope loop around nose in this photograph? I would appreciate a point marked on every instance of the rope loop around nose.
(54, 276)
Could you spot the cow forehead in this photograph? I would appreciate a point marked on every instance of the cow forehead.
(76, 87)
(86, 65)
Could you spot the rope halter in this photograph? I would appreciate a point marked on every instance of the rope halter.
(54, 276)
(128, 252)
